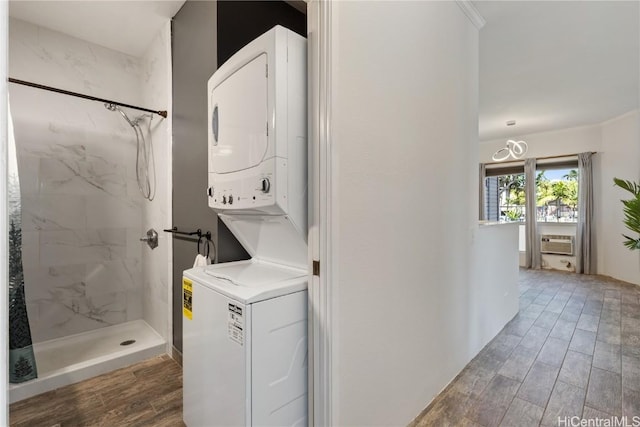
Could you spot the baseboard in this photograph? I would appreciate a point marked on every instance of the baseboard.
(176, 355)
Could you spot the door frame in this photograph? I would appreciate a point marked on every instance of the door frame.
(321, 206)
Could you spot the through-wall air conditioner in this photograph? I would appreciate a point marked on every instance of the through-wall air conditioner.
(556, 244)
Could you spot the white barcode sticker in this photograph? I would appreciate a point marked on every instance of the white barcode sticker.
(236, 324)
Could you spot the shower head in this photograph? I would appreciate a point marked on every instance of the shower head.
(144, 151)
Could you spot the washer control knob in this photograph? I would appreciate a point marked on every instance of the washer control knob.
(224, 200)
(230, 199)
(210, 191)
(265, 185)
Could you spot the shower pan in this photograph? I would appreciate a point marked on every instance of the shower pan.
(75, 358)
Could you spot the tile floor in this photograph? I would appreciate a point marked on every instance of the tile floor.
(573, 350)
(146, 394)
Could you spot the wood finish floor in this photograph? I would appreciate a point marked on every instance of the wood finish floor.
(145, 394)
(573, 350)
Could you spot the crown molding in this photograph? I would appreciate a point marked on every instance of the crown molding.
(472, 13)
(620, 117)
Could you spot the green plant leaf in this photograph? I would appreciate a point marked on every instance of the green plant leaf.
(629, 186)
(631, 210)
(631, 243)
(632, 214)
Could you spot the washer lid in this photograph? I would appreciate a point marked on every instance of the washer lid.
(253, 274)
(274, 239)
(243, 280)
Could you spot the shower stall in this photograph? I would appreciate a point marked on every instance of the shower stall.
(93, 181)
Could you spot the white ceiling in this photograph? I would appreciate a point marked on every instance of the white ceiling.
(126, 26)
(556, 64)
(546, 64)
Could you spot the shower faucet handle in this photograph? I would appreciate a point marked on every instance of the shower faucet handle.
(151, 239)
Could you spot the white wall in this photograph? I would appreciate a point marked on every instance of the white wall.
(404, 131)
(553, 143)
(617, 145)
(494, 289)
(157, 264)
(619, 158)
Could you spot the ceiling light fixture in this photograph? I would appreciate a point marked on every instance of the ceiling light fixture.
(513, 149)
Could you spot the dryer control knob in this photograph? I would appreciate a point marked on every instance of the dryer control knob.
(230, 199)
(224, 200)
(265, 185)
(210, 191)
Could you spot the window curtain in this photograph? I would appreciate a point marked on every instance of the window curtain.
(532, 255)
(584, 231)
(482, 215)
(22, 363)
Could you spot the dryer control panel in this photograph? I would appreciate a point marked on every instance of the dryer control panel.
(254, 191)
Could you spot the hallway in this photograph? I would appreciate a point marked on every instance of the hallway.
(573, 350)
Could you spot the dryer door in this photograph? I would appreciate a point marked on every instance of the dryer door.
(239, 119)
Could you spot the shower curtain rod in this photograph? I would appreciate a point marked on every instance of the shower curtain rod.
(162, 113)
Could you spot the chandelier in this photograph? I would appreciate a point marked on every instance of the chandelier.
(514, 149)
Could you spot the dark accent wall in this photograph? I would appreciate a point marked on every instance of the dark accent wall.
(205, 34)
(194, 48)
(239, 22)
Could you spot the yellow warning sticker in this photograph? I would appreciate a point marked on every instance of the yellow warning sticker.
(187, 298)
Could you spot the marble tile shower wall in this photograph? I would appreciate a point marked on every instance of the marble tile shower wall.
(157, 267)
(82, 211)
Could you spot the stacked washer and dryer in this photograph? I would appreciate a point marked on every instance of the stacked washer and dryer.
(245, 322)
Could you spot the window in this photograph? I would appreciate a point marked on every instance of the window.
(557, 193)
(505, 195)
(505, 198)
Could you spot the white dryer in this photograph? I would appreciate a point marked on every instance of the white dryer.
(245, 322)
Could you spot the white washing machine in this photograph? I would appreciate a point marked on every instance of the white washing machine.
(245, 322)
(243, 377)
(245, 331)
